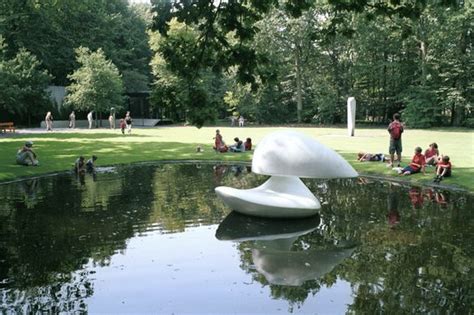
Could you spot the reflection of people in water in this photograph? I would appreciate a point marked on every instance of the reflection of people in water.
(441, 198)
(29, 188)
(392, 206)
(219, 171)
(237, 170)
(81, 176)
(416, 197)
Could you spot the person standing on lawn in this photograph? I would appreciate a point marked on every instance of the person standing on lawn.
(49, 121)
(72, 120)
(90, 118)
(128, 121)
(395, 129)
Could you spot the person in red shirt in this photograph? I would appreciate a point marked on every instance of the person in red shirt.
(219, 144)
(417, 163)
(395, 129)
(431, 154)
(248, 144)
(443, 169)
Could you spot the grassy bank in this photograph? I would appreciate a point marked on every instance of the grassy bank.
(58, 150)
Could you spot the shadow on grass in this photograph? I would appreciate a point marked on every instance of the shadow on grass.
(60, 156)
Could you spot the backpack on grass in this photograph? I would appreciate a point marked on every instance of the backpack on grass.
(396, 130)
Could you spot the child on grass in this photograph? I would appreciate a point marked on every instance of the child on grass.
(431, 154)
(90, 164)
(417, 164)
(378, 157)
(443, 169)
(123, 125)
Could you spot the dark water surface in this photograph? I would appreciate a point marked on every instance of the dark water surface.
(155, 239)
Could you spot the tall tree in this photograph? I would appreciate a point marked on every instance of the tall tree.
(52, 29)
(23, 84)
(96, 84)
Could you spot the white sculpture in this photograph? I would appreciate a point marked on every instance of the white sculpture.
(272, 253)
(286, 155)
(351, 115)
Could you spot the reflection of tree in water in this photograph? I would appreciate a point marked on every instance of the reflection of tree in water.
(276, 254)
(423, 264)
(295, 295)
(194, 200)
(42, 245)
(47, 243)
(55, 298)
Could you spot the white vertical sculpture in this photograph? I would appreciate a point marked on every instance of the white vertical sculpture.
(286, 156)
(351, 115)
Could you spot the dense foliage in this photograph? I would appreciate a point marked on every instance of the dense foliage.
(51, 30)
(300, 60)
(22, 84)
(96, 85)
(271, 61)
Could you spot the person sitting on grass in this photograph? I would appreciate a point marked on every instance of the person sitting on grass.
(432, 154)
(219, 144)
(80, 165)
(238, 146)
(26, 156)
(248, 144)
(443, 169)
(378, 157)
(90, 164)
(416, 165)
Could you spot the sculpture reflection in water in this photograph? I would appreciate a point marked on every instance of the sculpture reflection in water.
(272, 242)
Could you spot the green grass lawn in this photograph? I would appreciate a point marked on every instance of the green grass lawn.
(57, 151)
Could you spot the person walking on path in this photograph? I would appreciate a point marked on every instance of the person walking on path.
(49, 121)
(241, 121)
(72, 120)
(395, 129)
(90, 118)
(128, 121)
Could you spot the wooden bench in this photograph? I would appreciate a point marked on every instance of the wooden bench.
(4, 126)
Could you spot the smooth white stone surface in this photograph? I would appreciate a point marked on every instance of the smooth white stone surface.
(279, 197)
(291, 153)
(351, 116)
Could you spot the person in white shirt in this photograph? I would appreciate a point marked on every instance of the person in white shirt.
(241, 121)
(72, 120)
(90, 118)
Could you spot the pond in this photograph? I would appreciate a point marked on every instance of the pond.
(153, 238)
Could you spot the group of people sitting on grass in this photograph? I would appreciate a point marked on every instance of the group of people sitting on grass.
(81, 166)
(238, 145)
(28, 157)
(418, 163)
(431, 157)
